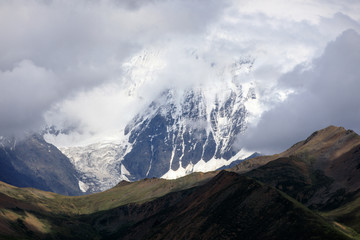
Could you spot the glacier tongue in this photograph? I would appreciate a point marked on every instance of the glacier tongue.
(96, 164)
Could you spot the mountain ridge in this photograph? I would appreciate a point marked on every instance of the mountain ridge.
(289, 197)
(226, 206)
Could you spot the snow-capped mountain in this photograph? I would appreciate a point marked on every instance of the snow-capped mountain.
(181, 131)
(181, 137)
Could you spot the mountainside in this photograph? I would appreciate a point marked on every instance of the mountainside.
(184, 137)
(27, 213)
(322, 171)
(310, 191)
(181, 131)
(33, 162)
(228, 206)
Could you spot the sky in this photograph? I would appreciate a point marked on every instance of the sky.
(67, 62)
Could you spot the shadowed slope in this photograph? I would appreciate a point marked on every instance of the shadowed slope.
(32, 162)
(320, 172)
(57, 215)
(230, 207)
(323, 172)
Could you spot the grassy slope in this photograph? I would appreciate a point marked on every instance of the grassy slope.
(123, 193)
(321, 172)
(326, 144)
(32, 213)
(348, 214)
(226, 202)
(234, 207)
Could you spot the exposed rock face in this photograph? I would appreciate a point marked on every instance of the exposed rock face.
(171, 136)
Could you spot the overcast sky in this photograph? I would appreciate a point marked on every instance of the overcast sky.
(64, 62)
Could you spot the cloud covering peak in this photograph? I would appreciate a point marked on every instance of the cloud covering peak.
(65, 63)
(53, 50)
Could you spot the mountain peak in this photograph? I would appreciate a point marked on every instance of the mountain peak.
(325, 132)
(326, 145)
(332, 140)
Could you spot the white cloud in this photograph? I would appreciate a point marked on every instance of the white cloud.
(326, 94)
(80, 48)
(26, 90)
(82, 44)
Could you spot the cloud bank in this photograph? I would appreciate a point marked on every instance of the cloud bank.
(325, 94)
(64, 63)
(53, 50)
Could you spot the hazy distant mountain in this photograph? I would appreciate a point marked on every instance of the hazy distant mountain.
(32, 162)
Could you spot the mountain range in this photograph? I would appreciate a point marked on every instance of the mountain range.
(310, 191)
(182, 130)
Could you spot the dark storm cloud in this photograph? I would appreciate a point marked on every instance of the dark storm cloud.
(327, 93)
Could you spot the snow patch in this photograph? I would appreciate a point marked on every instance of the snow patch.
(83, 187)
(203, 166)
(124, 172)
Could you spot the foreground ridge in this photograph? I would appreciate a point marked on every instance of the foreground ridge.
(276, 200)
